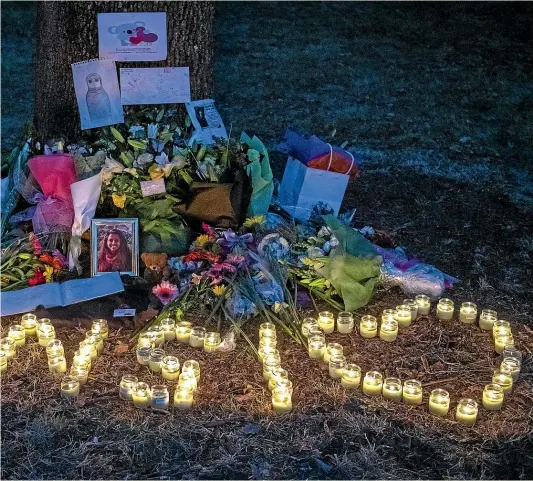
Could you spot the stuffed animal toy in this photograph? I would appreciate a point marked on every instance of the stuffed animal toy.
(156, 267)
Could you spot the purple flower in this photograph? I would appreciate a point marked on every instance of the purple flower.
(239, 262)
(230, 240)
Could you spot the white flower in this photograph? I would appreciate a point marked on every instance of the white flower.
(110, 168)
(152, 131)
(162, 159)
(179, 161)
(143, 160)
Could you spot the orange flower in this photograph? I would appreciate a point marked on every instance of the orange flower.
(47, 259)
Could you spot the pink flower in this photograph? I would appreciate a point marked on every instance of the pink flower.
(166, 292)
(36, 244)
(237, 261)
(209, 230)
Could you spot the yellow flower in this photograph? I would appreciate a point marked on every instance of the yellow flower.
(256, 220)
(119, 200)
(132, 171)
(157, 172)
(219, 290)
(48, 272)
(201, 240)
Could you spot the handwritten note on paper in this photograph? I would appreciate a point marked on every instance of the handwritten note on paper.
(160, 85)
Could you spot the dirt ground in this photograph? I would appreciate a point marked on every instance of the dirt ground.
(437, 98)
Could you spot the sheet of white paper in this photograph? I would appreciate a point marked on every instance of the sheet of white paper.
(158, 85)
(85, 196)
(133, 36)
(206, 121)
(152, 187)
(97, 93)
(56, 294)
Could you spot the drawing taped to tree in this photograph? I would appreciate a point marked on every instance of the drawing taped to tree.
(97, 93)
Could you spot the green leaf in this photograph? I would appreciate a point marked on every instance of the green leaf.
(185, 176)
(201, 153)
(333, 133)
(117, 135)
(160, 115)
(188, 122)
(137, 144)
(127, 159)
(344, 144)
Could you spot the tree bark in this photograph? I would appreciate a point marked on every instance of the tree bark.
(67, 32)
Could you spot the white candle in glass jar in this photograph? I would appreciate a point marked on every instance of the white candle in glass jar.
(212, 341)
(512, 365)
(368, 327)
(388, 330)
(155, 360)
(504, 379)
(345, 323)
(143, 355)
(281, 400)
(424, 304)
(493, 397)
(402, 315)
(3, 362)
(169, 328)
(413, 305)
(192, 367)
(316, 347)
(306, 324)
(70, 386)
(141, 395)
(373, 383)
(183, 398)
(332, 349)
(101, 327)
(267, 329)
(326, 321)
(276, 375)
(89, 347)
(439, 402)
(351, 376)
(159, 397)
(466, 412)
(81, 373)
(57, 365)
(502, 340)
(487, 319)
(127, 386)
(445, 309)
(46, 335)
(29, 322)
(170, 368)
(18, 334)
(412, 392)
(197, 337)
(336, 366)
(392, 389)
(97, 340)
(468, 313)
(183, 332)
(188, 380)
(81, 358)
(9, 347)
(501, 328)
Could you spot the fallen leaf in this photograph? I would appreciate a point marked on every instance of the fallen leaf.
(121, 348)
(244, 397)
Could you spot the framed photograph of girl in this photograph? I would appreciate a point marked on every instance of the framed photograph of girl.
(115, 246)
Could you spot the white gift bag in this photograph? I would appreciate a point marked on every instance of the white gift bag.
(303, 187)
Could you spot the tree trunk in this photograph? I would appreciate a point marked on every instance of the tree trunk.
(67, 32)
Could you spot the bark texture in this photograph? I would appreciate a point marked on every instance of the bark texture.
(67, 32)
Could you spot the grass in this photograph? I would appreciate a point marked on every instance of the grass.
(437, 99)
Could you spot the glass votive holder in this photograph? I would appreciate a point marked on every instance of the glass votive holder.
(445, 309)
(412, 392)
(55, 348)
(43, 324)
(127, 387)
(212, 341)
(101, 327)
(281, 400)
(504, 379)
(169, 328)
(81, 359)
(316, 346)
(183, 332)
(3, 362)
(9, 347)
(183, 398)
(29, 322)
(402, 314)
(18, 334)
(155, 360)
(266, 351)
(158, 335)
(345, 322)
(511, 351)
(96, 339)
(351, 376)
(424, 304)
(159, 397)
(315, 331)
(502, 340)
(141, 395)
(512, 365)
(268, 366)
(277, 374)
(45, 335)
(487, 318)
(197, 337)
(188, 380)
(268, 342)
(192, 366)
(392, 389)
(468, 313)
(89, 346)
(284, 384)
(326, 321)
(336, 366)
(466, 411)
(306, 324)
(70, 386)
(493, 397)
(274, 356)
(143, 355)
(170, 368)
(413, 306)
(439, 402)
(81, 372)
(145, 339)
(388, 314)
(267, 329)
(388, 331)
(373, 383)
(368, 327)
(501, 327)
(332, 349)
(57, 365)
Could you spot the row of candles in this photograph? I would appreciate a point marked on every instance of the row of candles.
(158, 396)
(278, 378)
(43, 329)
(411, 392)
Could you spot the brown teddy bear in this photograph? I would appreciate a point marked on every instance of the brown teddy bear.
(156, 267)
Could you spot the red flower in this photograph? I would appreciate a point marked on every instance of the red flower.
(36, 244)
(47, 259)
(201, 256)
(38, 278)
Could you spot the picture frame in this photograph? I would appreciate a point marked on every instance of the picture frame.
(115, 246)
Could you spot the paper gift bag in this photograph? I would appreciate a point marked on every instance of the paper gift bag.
(303, 187)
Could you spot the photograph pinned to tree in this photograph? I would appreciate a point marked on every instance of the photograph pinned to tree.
(115, 246)
(97, 93)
